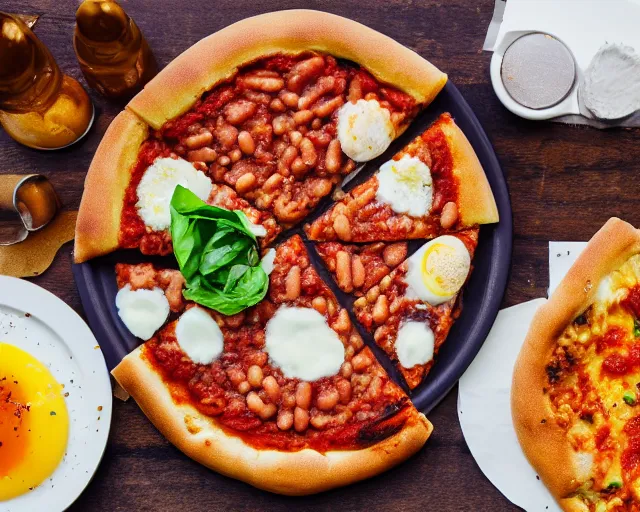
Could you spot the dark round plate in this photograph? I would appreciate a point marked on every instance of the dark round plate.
(482, 297)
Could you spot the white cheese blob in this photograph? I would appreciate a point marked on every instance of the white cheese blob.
(157, 185)
(267, 261)
(199, 336)
(437, 270)
(406, 186)
(414, 344)
(257, 229)
(142, 311)
(364, 129)
(300, 342)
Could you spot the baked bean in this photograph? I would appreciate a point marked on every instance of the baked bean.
(323, 85)
(300, 419)
(199, 140)
(286, 159)
(255, 376)
(308, 152)
(319, 304)
(327, 108)
(281, 124)
(381, 310)
(263, 83)
(236, 375)
(371, 96)
(397, 118)
(316, 124)
(273, 182)
(361, 361)
(394, 254)
(244, 387)
(342, 227)
(303, 395)
(357, 271)
(285, 419)
(277, 105)
(270, 385)
(258, 357)
(302, 117)
(355, 90)
(239, 111)
(234, 321)
(298, 167)
(374, 388)
(344, 390)
(348, 167)
(246, 143)
(360, 302)
(343, 271)
(380, 333)
(235, 155)
(395, 305)
(342, 323)
(303, 72)
(349, 351)
(372, 294)
(290, 99)
(292, 283)
(385, 282)
(194, 128)
(333, 158)
(295, 137)
(327, 399)
(321, 187)
(320, 421)
(346, 369)
(227, 135)
(289, 399)
(245, 183)
(258, 407)
(202, 155)
(320, 139)
(224, 160)
(449, 215)
(331, 307)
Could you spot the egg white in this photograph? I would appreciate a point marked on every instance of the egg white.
(364, 129)
(406, 186)
(437, 270)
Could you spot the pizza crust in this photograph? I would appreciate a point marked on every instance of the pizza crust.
(545, 444)
(476, 204)
(291, 473)
(98, 225)
(217, 57)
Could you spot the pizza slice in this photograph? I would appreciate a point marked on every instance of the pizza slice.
(434, 185)
(575, 392)
(357, 268)
(278, 107)
(411, 311)
(284, 395)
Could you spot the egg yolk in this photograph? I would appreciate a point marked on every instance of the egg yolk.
(443, 270)
(34, 424)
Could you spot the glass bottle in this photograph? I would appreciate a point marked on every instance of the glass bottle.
(39, 106)
(113, 54)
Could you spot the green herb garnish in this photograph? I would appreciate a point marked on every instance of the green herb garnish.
(629, 397)
(636, 328)
(217, 253)
(614, 485)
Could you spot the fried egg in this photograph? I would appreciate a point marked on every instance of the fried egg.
(437, 270)
(34, 424)
(365, 130)
(406, 186)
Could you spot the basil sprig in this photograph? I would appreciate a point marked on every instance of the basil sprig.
(217, 253)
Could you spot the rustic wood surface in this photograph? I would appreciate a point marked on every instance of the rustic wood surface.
(564, 181)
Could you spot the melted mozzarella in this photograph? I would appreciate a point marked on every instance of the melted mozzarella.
(406, 186)
(199, 336)
(257, 229)
(267, 261)
(300, 342)
(157, 185)
(414, 344)
(364, 129)
(142, 311)
(437, 270)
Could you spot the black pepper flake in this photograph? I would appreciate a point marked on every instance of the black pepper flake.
(52, 413)
(27, 315)
(543, 421)
(537, 477)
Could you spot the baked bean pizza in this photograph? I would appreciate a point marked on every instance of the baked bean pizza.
(576, 383)
(250, 364)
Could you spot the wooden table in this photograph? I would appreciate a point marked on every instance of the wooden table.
(565, 182)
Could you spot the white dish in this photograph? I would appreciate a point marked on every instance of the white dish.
(38, 322)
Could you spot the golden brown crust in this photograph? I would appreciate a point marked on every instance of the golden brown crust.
(216, 57)
(545, 444)
(98, 225)
(291, 473)
(476, 204)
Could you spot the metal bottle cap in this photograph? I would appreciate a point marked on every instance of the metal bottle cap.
(538, 71)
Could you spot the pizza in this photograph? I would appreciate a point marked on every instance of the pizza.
(433, 185)
(576, 382)
(249, 362)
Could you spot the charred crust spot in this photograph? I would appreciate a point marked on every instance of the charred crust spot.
(390, 423)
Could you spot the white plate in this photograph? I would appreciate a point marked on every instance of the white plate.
(40, 323)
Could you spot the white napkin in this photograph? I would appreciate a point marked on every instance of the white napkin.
(584, 26)
(484, 397)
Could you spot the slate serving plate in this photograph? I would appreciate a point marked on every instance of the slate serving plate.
(482, 297)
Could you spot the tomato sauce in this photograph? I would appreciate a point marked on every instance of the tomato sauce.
(445, 183)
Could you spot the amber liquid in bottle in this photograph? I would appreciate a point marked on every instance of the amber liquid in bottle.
(39, 106)
(113, 54)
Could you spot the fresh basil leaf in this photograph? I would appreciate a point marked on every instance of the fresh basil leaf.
(234, 275)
